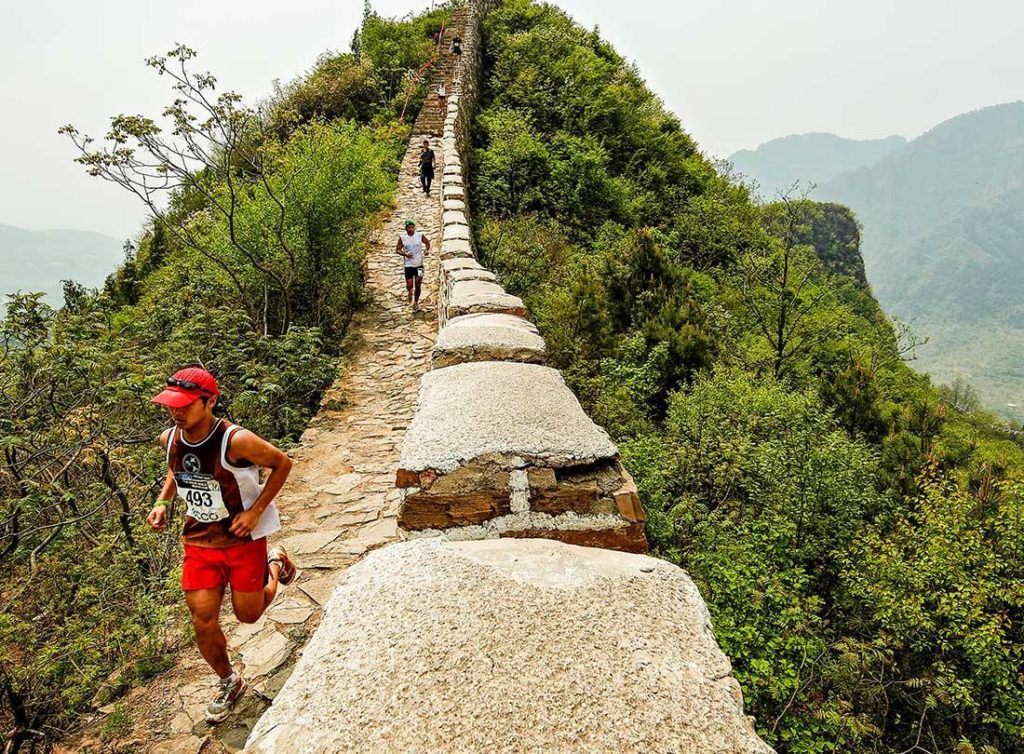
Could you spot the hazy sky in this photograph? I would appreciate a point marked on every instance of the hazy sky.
(737, 73)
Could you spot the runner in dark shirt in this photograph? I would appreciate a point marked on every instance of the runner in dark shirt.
(213, 469)
(426, 166)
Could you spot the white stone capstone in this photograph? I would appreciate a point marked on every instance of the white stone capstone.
(509, 414)
(460, 263)
(457, 276)
(456, 231)
(458, 247)
(487, 337)
(479, 296)
(585, 650)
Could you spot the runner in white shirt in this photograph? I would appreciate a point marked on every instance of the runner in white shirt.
(412, 246)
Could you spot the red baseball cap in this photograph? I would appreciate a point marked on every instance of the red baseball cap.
(187, 386)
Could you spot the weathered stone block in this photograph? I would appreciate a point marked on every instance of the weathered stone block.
(452, 248)
(478, 296)
(502, 413)
(487, 337)
(454, 217)
(423, 511)
(627, 500)
(456, 233)
(528, 645)
(578, 499)
(457, 276)
(473, 478)
(542, 479)
(405, 478)
(460, 263)
(625, 538)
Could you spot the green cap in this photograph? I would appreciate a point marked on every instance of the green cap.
(409, 222)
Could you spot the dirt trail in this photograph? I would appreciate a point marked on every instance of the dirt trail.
(339, 503)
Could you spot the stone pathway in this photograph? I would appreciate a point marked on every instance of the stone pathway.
(339, 503)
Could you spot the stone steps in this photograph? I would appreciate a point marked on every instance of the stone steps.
(499, 445)
(432, 115)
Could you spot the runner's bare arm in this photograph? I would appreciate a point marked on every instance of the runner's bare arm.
(157, 518)
(426, 244)
(249, 446)
(400, 250)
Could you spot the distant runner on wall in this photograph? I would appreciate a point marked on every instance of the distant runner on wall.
(427, 158)
(213, 467)
(442, 96)
(457, 47)
(412, 246)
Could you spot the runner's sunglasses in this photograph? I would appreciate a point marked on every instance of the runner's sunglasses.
(188, 385)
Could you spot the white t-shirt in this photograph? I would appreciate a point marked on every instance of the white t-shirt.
(413, 245)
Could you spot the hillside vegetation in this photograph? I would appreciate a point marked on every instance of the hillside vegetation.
(813, 158)
(855, 531)
(252, 267)
(943, 221)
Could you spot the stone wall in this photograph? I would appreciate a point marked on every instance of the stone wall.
(521, 643)
(499, 445)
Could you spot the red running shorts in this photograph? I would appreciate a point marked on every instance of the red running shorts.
(242, 566)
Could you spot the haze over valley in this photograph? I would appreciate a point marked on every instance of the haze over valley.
(38, 260)
(943, 235)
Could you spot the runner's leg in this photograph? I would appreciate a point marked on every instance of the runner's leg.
(253, 580)
(249, 606)
(204, 604)
(416, 298)
(408, 289)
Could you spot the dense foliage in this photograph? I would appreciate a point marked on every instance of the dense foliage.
(855, 531)
(251, 266)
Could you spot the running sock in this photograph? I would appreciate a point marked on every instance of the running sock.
(231, 680)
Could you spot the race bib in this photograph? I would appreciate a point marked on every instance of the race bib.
(201, 493)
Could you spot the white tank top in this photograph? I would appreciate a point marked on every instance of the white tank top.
(413, 245)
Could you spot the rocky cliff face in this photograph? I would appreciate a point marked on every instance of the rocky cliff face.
(836, 239)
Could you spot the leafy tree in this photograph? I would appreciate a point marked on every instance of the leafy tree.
(782, 285)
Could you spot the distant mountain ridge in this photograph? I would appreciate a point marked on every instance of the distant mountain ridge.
(943, 244)
(38, 260)
(811, 158)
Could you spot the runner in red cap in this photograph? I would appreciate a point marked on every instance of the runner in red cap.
(213, 466)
